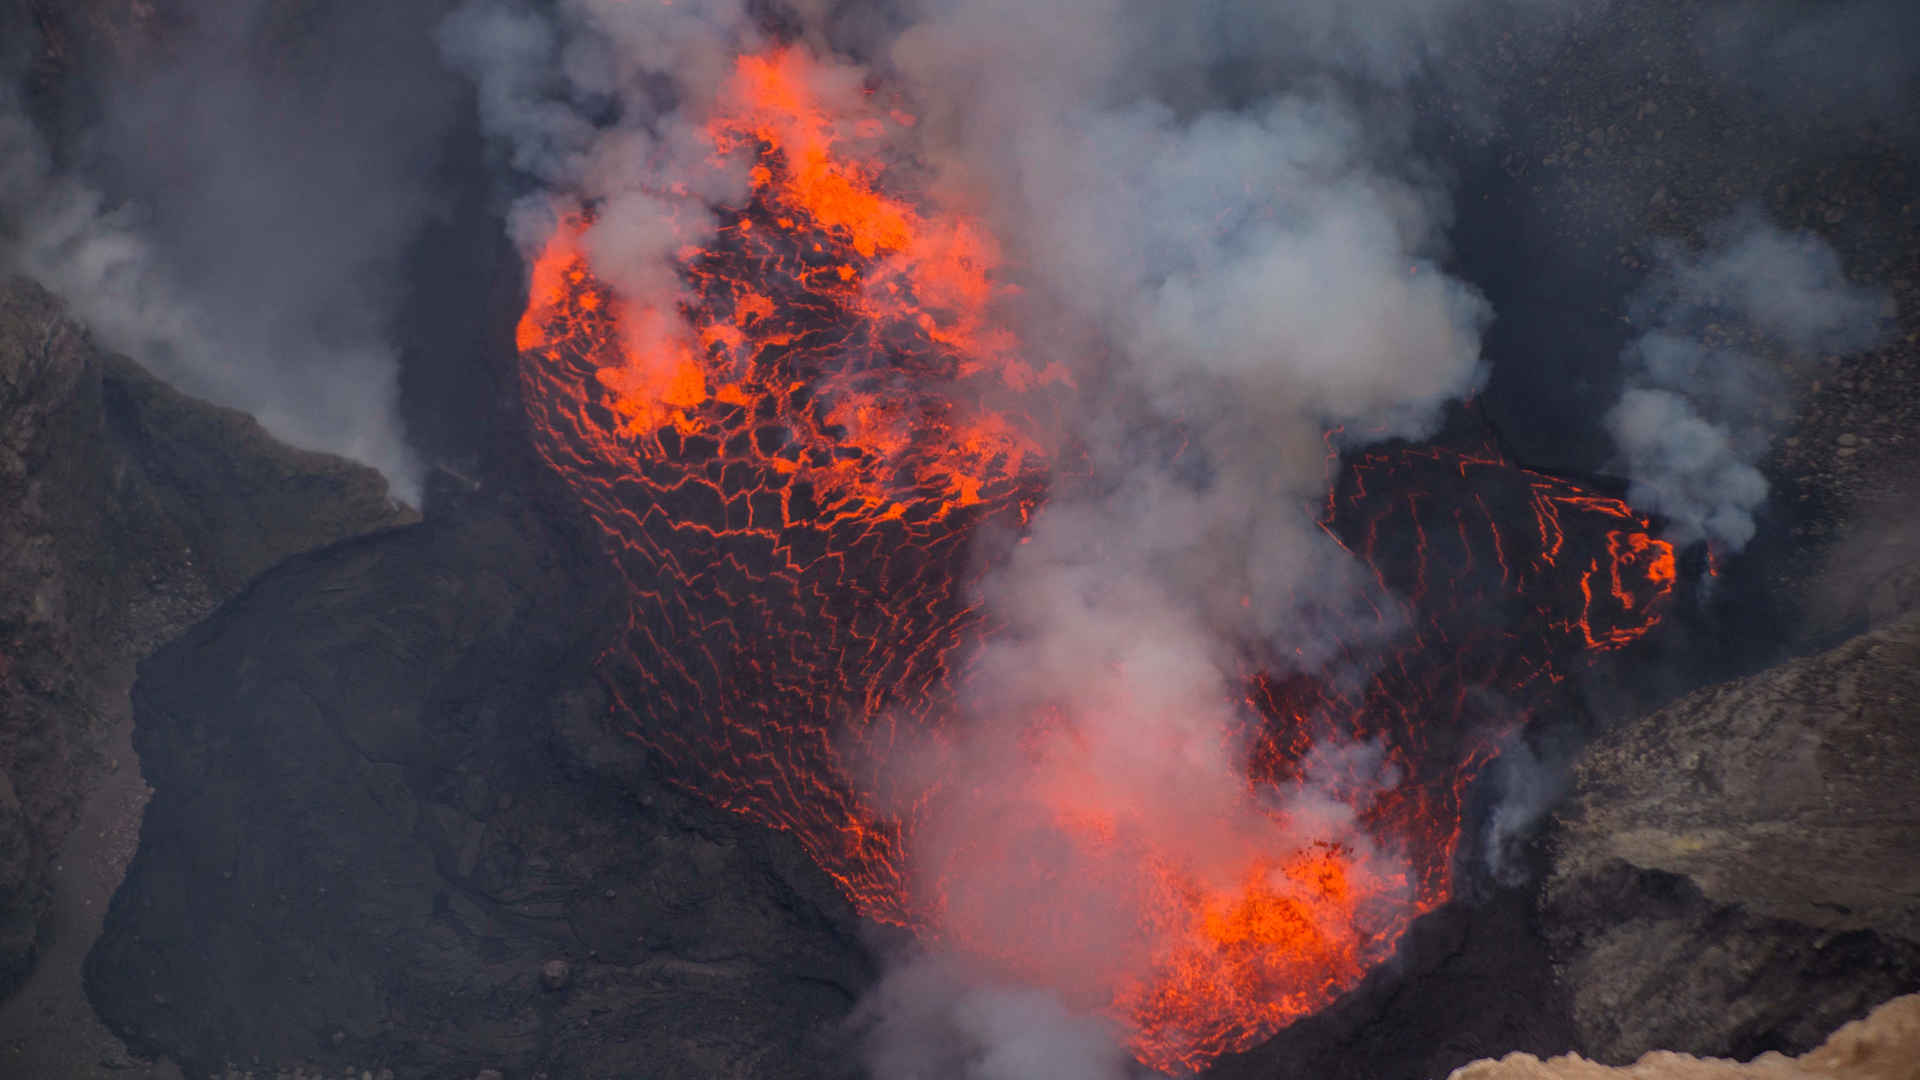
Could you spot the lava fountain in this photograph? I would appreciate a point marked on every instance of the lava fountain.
(802, 456)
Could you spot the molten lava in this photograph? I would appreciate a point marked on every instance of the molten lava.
(788, 459)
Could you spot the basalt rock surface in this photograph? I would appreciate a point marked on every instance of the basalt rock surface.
(127, 511)
(1740, 871)
(394, 826)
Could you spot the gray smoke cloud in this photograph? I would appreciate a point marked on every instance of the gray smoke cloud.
(1250, 274)
(1704, 377)
(1209, 262)
(546, 77)
(931, 1018)
(244, 209)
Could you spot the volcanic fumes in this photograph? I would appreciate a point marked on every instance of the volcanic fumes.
(818, 453)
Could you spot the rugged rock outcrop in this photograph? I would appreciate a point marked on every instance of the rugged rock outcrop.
(127, 511)
(1740, 871)
(1883, 1046)
(389, 799)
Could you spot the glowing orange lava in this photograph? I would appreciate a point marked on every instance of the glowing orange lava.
(787, 462)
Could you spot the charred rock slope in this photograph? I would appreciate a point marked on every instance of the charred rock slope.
(127, 511)
(392, 828)
(1740, 871)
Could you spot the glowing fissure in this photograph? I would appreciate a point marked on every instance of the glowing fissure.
(788, 461)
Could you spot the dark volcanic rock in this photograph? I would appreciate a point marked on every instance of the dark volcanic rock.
(388, 798)
(127, 511)
(1740, 871)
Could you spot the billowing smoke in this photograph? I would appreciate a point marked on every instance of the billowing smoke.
(238, 216)
(588, 101)
(1246, 276)
(1706, 374)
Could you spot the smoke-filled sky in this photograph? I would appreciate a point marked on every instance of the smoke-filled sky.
(1219, 223)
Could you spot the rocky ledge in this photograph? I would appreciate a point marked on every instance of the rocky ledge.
(1740, 871)
(127, 512)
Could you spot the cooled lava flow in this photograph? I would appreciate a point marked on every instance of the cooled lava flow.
(788, 461)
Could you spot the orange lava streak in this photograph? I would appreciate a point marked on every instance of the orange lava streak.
(1252, 958)
(780, 111)
(787, 461)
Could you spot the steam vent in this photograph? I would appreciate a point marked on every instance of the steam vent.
(959, 539)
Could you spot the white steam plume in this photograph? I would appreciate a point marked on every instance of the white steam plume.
(1250, 276)
(247, 201)
(1702, 380)
(544, 77)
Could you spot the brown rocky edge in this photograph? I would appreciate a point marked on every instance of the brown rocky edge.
(1883, 1046)
(127, 512)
